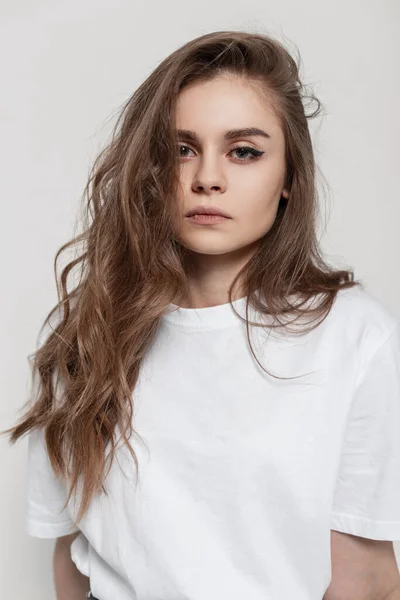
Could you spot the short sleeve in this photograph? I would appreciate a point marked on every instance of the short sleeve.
(46, 495)
(366, 500)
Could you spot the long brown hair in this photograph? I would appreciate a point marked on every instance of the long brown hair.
(131, 266)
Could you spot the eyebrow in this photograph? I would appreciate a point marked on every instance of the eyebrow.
(232, 134)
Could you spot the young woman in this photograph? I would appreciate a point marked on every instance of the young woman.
(212, 400)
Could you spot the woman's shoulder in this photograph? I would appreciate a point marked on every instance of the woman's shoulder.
(364, 313)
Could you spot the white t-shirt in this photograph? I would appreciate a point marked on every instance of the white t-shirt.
(242, 476)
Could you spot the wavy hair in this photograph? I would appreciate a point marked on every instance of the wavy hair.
(131, 265)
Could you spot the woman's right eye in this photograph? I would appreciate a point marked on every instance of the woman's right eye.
(180, 150)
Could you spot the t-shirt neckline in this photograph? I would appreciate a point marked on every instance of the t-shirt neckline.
(209, 317)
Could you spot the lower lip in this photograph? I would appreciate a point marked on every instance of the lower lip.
(208, 219)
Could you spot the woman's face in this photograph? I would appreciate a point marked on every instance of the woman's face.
(215, 171)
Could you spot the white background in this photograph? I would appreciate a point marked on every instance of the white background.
(67, 67)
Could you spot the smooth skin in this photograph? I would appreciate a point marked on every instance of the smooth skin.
(69, 582)
(216, 171)
(362, 569)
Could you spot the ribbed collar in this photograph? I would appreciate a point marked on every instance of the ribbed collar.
(210, 317)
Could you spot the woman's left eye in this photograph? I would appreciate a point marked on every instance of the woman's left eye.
(247, 150)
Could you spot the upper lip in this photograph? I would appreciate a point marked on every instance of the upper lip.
(201, 209)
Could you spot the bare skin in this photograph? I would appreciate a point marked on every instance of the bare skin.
(70, 583)
(214, 171)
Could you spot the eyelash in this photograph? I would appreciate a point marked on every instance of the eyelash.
(254, 154)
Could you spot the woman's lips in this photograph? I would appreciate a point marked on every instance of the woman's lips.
(208, 219)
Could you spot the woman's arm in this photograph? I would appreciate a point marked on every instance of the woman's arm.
(70, 583)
